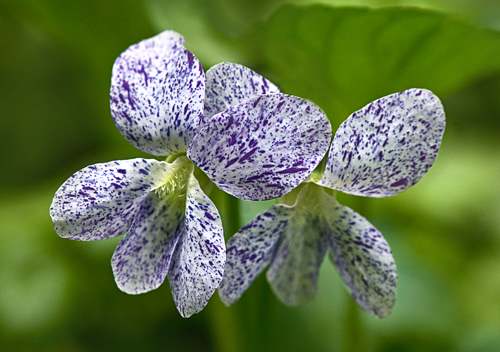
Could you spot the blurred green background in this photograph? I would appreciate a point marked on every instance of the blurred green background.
(55, 67)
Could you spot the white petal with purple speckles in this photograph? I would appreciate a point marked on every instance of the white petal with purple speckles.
(157, 94)
(141, 260)
(100, 201)
(386, 147)
(294, 271)
(198, 262)
(229, 84)
(364, 261)
(295, 239)
(262, 148)
(250, 250)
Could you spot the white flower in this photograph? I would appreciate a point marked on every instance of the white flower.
(233, 124)
(379, 151)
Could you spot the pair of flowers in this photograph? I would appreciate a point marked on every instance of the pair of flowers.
(255, 143)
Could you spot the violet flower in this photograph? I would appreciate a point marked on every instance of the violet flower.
(250, 140)
(379, 151)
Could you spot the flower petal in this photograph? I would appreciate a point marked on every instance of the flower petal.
(157, 94)
(294, 271)
(262, 148)
(229, 84)
(364, 261)
(250, 250)
(101, 201)
(141, 260)
(198, 262)
(386, 147)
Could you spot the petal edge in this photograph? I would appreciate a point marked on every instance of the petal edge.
(262, 148)
(157, 94)
(386, 147)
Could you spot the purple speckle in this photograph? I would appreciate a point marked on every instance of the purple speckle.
(402, 182)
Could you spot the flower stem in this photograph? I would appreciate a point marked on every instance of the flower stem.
(226, 323)
(225, 327)
(255, 315)
(250, 314)
(243, 327)
(232, 214)
(354, 338)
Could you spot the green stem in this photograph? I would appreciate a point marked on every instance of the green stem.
(225, 327)
(250, 313)
(243, 327)
(354, 338)
(255, 312)
(232, 205)
(224, 322)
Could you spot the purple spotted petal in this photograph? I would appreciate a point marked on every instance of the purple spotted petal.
(230, 84)
(141, 260)
(250, 250)
(294, 271)
(262, 148)
(101, 201)
(386, 147)
(364, 261)
(157, 94)
(198, 261)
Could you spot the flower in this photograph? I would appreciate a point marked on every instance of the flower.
(231, 122)
(379, 151)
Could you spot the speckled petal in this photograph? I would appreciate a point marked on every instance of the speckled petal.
(250, 250)
(198, 262)
(293, 274)
(364, 261)
(101, 201)
(157, 94)
(229, 84)
(262, 148)
(141, 260)
(386, 147)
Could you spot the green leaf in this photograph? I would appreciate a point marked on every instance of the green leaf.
(344, 58)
